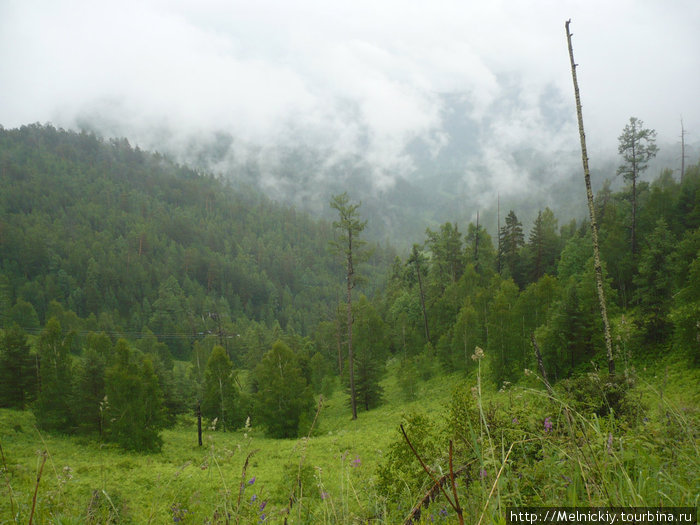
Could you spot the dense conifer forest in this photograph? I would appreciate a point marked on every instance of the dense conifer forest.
(134, 290)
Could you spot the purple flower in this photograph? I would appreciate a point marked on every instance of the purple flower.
(263, 517)
(483, 473)
(255, 496)
(356, 462)
(324, 495)
(263, 505)
(251, 481)
(515, 420)
(443, 512)
(547, 424)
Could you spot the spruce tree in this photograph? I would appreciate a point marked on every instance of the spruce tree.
(17, 369)
(284, 400)
(221, 399)
(53, 411)
(134, 401)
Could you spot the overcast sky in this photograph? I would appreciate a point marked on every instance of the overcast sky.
(359, 76)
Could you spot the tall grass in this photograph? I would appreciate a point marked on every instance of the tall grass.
(518, 446)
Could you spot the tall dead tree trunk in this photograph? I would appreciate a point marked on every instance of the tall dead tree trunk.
(591, 210)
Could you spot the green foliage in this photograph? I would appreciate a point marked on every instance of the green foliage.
(130, 242)
(89, 391)
(685, 314)
(283, 398)
(654, 281)
(221, 399)
(52, 409)
(510, 240)
(17, 369)
(134, 401)
(369, 354)
(400, 475)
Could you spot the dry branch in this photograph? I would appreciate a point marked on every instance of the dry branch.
(591, 210)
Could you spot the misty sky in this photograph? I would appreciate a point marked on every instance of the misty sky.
(361, 77)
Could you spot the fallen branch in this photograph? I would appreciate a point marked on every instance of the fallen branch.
(436, 482)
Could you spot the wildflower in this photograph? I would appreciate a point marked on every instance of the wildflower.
(251, 481)
(324, 495)
(515, 420)
(610, 443)
(478, 353)
(356, 462)
(483, 473)
(263, 517)
(547, 424)
(263, 505)
(443, 512)
(255, 496)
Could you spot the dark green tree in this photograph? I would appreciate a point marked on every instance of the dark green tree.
(637, 145)
(221, 398)
(283, 402)
(479, 248)
(511, 240)
(52, 409)
(542, 248)
(370, 355)
(17, 369)
(89, 390)
(134, 401)
(654, 282)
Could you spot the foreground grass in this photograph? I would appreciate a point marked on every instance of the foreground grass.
(247, 478)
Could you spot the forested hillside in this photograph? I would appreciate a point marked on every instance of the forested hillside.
(129, 242)
(459, 290)
(136, 293)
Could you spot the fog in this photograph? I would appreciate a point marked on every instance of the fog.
(478, 93)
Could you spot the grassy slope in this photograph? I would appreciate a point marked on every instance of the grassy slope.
(83, 478)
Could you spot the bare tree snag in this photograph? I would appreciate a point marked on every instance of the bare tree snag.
(591, 210)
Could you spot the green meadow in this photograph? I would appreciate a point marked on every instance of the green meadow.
(527, 448)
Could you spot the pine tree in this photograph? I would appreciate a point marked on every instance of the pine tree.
(350, 226)
(637, 145)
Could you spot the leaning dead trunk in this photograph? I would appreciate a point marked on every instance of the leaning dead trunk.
(591, 211)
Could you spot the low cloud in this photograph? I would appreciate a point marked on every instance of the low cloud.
(356, 82)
